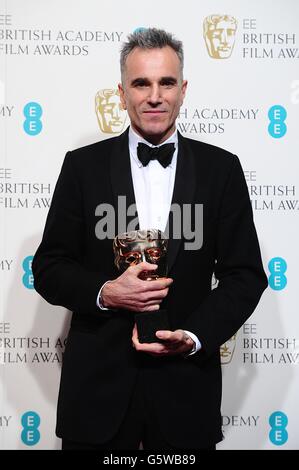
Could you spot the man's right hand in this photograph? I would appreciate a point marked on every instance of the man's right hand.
(129, 292)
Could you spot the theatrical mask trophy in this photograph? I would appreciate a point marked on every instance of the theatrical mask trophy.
(132, 248)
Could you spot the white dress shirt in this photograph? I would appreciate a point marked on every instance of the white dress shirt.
(153, 187)
(153, 184)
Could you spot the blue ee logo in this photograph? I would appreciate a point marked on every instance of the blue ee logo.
(28, 276)
(32, 124)
(277, 268)
(30, 434)
(277, 115)
(140, 29)
(278, 434)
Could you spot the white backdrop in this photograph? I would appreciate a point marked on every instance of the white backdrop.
(54, 57)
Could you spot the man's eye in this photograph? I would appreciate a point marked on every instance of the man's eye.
(141, 84)
(168, 84)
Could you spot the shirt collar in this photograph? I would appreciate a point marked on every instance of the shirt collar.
(134, 140)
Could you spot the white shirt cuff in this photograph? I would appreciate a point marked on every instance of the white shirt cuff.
(99, 300)
(197, 345)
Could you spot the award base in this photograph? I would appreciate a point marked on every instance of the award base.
(150, 322)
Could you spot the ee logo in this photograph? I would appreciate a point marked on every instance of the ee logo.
(30, 434)
(32, 124)
(277, 115)
(139, 30)
(28, 276)
(278, 422)
(277, 267)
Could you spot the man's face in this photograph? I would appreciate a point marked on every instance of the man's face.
(221, 38)
(153, 92)
(111, 116)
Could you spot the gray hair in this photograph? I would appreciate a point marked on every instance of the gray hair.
(150, 38)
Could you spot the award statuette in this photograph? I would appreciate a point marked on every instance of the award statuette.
(132, 248)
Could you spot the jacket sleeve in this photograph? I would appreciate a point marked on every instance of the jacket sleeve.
(238, 269)
(58, 265)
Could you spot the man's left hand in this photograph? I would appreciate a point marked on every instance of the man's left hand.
(174, 342)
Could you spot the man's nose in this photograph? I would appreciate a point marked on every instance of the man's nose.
(154, 96)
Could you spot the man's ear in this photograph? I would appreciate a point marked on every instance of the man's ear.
(184, 89)
(122, 96)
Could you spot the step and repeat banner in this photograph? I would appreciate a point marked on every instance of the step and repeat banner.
(59, 70)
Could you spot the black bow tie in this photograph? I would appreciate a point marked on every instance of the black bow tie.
(163, 153)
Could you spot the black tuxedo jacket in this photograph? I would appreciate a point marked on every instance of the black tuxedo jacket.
(100, 366)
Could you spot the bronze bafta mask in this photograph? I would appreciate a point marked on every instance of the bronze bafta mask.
(134, 247)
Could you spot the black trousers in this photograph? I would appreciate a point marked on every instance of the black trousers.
(139, 429)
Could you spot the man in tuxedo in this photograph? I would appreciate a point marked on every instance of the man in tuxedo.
(115, 391)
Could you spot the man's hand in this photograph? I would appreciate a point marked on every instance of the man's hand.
(131, 293)
(174, 342)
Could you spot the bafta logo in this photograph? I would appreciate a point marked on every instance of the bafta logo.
(227, 350)
(110, 113)
(219, 32)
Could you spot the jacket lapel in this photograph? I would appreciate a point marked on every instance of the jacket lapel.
(122, 183)
(183, 193)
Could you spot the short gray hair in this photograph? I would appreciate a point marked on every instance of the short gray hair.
(150, 38)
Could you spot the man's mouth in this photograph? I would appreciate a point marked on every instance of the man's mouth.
(154, 111)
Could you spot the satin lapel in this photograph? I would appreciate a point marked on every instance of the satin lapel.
(121, 181)
(183, 193)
